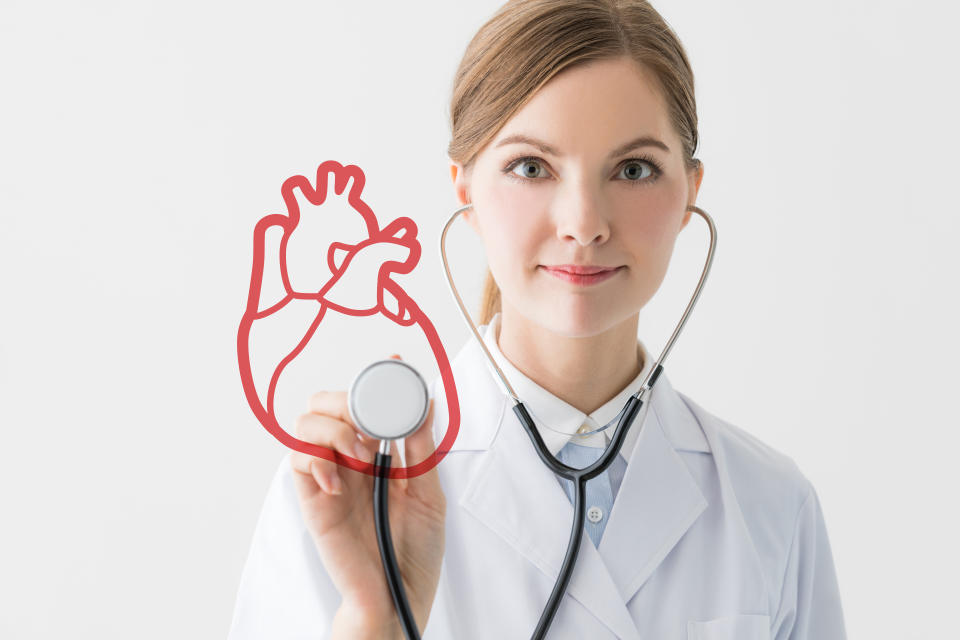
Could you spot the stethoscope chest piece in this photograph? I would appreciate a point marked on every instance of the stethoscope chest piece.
(388, 399)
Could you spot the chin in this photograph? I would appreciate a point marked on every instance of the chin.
(578, 319)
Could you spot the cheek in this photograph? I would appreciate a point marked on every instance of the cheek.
(653, 216)
(650, 231)
(513, 226)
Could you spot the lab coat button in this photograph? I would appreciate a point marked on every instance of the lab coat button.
(595, 514)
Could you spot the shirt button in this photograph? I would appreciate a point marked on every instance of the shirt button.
(595, 514)
(583, 428)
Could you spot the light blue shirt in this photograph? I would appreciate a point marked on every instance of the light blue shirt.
(560, 425)
(601, 491)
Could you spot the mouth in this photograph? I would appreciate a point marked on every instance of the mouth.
(582, 275)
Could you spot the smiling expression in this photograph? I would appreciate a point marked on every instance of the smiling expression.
(588, 172)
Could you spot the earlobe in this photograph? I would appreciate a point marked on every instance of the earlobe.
(696, 177)
(469, 216)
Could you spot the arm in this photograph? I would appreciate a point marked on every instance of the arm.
(810, 606)
(352, 623)
(284, 590)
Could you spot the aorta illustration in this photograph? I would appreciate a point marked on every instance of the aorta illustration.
(358, 283)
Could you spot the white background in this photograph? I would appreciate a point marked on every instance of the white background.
(141, 142)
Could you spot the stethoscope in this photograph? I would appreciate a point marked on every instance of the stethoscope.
(389, 399)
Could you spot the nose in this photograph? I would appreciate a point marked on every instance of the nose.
(580, 216)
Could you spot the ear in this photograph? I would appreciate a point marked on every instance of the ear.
(694, 178)
(461, 186)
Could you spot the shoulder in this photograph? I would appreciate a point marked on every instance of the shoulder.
(778, 505)
(761, 487)
(781, 513)
(761, 476)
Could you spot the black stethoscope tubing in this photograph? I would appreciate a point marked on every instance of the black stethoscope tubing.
(579, 477)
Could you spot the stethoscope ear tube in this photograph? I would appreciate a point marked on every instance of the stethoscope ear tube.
(578, 476)
(385, 542)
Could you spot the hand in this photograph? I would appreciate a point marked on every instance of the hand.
(337, 506)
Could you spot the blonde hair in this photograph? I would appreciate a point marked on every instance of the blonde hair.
(528, 42)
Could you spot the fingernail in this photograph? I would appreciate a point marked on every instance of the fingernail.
(336, 486)
(362, 452)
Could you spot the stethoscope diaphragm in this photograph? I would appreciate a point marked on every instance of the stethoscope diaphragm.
(388, 399)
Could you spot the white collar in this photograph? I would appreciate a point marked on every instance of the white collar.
(562, 419)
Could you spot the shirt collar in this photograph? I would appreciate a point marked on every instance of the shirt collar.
(562, 418)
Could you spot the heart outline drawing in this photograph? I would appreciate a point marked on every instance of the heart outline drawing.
(401, 232)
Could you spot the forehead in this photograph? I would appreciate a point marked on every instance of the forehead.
(593, 108)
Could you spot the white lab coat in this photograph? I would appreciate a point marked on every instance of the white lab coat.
(713, 536)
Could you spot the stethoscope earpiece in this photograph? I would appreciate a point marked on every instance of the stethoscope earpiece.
(388, 399)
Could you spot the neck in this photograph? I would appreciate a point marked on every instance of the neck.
(585, 372)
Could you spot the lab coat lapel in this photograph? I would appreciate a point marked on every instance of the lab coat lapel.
(658, 500)
(521, 500)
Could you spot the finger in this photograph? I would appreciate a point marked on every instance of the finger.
(419, 446)
(334, 434)
(334, 404)
(327, 431)
(395, 461)
(402, 483)
(373, 445)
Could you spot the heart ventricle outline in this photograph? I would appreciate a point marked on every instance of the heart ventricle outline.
(393, 249)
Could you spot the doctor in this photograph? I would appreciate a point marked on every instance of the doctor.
(574, 128)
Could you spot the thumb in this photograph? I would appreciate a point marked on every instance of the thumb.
(420, 445)
(420, 442)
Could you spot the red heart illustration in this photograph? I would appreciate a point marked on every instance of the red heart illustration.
(398, 240)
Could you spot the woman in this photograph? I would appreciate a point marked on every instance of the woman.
(574, 130)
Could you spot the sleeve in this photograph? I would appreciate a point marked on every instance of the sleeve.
(285, 591)
(810, 606)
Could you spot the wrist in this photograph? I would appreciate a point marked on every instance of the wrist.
(355, 621)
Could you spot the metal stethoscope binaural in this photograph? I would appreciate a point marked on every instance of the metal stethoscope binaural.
(388, 400)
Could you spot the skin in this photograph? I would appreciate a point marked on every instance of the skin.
(577, 342)
(580, 207)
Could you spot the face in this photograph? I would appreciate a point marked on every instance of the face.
(575, 203)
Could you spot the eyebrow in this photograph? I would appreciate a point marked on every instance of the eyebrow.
(642, 141)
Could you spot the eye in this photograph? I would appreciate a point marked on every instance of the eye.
(634, 170)
(631, 168)
(525, 164)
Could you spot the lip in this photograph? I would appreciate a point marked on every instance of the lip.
(592, 275)
(580, 269)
